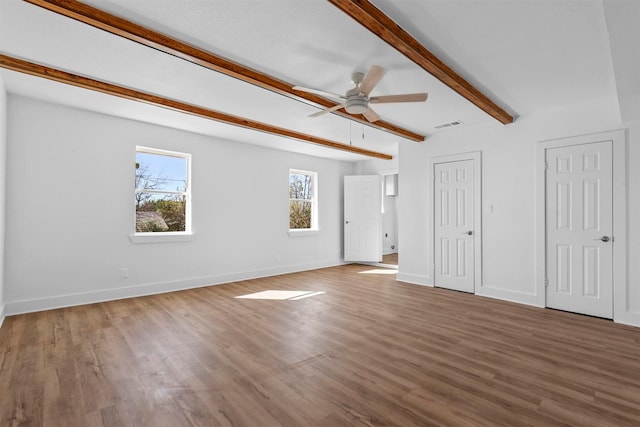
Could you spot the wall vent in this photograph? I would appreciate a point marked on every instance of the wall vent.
(446, 125)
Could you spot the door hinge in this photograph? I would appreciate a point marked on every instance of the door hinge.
(546, 165)
(546, 282)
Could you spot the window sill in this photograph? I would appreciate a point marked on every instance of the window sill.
(303, 232)
(161, 237)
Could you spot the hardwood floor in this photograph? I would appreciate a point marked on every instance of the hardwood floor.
(368, 351)
(390, 259)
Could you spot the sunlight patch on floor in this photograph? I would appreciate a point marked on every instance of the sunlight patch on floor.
(379, 271)
(281, 295)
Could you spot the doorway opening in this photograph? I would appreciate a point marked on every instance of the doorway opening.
(389, 194)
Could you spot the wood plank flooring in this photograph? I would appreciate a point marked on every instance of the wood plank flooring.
(369, 351)
(390, 259)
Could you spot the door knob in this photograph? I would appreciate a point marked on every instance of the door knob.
(468, 232)
(346, 222)
(604, 238)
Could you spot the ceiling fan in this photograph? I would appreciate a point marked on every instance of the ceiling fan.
(357, 99)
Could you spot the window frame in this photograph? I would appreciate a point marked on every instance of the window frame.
(315, 227)
(165, 236)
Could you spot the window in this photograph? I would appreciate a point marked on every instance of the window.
(303, 200)
(162, 193)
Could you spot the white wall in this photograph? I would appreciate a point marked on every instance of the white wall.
(508, 183)
(633, 219)
(3, 170)
(378, 166)
(70, 210)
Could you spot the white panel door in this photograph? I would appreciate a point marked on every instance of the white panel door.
(579, 229)
(454, 225)
(362, 218)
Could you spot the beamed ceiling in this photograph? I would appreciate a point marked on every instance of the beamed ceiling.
(227, 68)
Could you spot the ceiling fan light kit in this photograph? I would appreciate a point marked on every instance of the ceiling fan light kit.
(356, 104)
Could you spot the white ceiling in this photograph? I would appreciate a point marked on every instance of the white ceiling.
(525, 55)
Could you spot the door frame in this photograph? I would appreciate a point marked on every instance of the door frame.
(476, 157)
(383, 174)
(617, 137)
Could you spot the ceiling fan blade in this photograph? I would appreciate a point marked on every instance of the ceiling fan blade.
(327, 110)
(371, 115)
(407, 97)
(318, 92)
(374, 75)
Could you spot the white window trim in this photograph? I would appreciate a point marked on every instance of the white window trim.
(170, 236)
(315, 227)
(302, 232)
(160, 237)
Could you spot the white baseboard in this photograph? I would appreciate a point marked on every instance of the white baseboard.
(511, 296)
(631, 318)
(414, 279)
(484, 291)
(59, 301)
(2, 314)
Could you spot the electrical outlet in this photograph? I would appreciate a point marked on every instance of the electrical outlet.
(124, 273)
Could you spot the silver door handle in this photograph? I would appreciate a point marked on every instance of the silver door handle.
(604, 238)
(468, 232)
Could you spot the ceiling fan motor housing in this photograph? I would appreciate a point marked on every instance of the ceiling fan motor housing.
(356, 78)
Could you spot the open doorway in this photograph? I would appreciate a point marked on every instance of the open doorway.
(387, 210)
(390, 218)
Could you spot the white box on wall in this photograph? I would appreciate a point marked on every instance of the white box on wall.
(391, 185)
